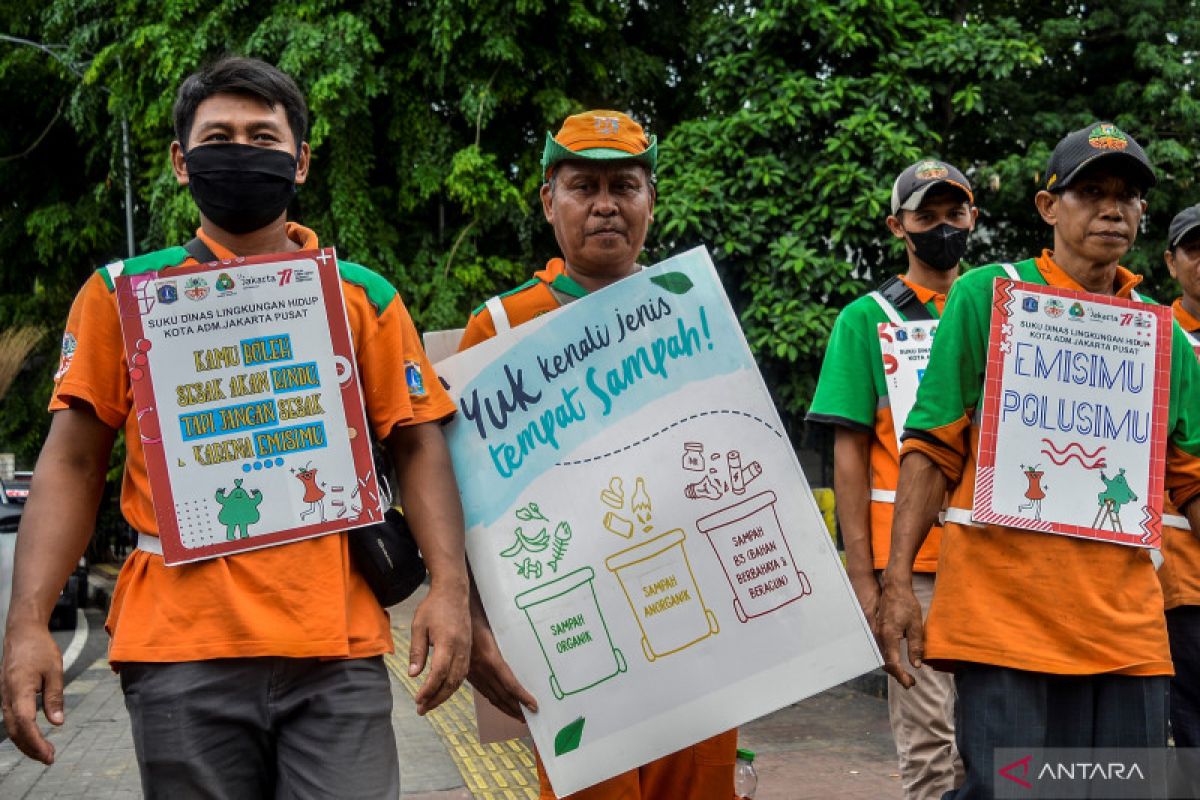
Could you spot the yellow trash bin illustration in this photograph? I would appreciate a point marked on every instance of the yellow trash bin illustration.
(658, 582)
(757, 560)
(571, 631)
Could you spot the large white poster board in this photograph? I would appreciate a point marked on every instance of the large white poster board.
(1073, 431)
(647, 548)
(248, 403)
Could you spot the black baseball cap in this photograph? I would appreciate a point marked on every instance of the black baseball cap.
(910, 187)
(1089, 144)
(1185, 222)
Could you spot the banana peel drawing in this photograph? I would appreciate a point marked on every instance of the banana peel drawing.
(533, 544)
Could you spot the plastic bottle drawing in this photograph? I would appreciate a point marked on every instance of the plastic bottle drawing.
(733, 459)
(745, 779)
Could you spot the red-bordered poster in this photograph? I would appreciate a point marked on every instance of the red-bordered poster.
(1073, 431)
(248, 402)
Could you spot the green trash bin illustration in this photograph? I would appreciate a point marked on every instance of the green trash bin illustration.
(565, 616)
(662, 591)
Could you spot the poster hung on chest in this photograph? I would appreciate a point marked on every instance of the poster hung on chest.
(248, 403)
(1073, 429)
(646, 546)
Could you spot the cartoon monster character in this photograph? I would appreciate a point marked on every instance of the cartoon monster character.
(1034, 492)
(239, 510)
(314, 495)
(1116, 494)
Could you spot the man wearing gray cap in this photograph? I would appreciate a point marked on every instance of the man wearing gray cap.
(1180, 571)
(933, 213)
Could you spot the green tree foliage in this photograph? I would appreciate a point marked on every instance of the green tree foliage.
(810, 111)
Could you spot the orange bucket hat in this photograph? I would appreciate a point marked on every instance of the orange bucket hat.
(599, 136)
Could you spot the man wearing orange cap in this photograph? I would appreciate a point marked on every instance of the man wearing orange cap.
(599, 197)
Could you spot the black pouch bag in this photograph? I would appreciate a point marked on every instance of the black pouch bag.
(386, 554)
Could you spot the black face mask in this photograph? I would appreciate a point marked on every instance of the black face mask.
(240, 187)
(941, 247)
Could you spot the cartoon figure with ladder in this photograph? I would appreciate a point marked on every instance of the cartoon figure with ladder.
(1116, 494)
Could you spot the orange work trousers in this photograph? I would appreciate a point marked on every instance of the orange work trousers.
(703, 771)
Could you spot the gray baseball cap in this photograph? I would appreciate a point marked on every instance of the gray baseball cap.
(910, 187)
(1185, 222)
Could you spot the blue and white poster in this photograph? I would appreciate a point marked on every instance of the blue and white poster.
(649, 553)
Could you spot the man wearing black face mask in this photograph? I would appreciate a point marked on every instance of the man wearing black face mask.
(258, 674)
(933, 212)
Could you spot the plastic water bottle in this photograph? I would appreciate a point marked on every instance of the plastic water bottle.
(745, 779)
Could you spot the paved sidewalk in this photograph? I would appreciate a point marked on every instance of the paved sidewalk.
(833, 746)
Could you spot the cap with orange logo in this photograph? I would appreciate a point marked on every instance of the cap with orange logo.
(1100, 140)
(599, 136)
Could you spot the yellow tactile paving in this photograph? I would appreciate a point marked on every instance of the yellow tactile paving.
(498, 771)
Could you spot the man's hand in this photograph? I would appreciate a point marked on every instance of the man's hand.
(900, 618)
(490, 674)
(430, 499)
(441, 623)
(32, 664)
(866, 589)
(56, 525)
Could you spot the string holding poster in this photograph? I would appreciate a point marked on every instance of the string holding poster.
(1074, 424)
(905, 349)
(647, 549)
(248, 403)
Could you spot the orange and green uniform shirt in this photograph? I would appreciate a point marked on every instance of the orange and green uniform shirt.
(296, 600)
(1021, 599)
(852, 392)
(703, 771)
(1180, 571)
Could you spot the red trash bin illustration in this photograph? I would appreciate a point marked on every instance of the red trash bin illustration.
(755, 555)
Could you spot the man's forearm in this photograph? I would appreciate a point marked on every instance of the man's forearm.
(852, 488)
(919, 497)
(429, 495)
(60, 513)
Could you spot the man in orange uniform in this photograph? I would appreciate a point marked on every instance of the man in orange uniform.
(599, 196)
(258, 674)
(1055, 642)
(1180, 571)
(933, 212)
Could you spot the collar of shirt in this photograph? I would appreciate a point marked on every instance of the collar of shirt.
(299, 234)
(925, 295)
(1123, 284)
(562, 285)
(1185, 320)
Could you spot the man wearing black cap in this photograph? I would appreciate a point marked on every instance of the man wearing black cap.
(1054, 641)
(933, 213)
(1180, 571)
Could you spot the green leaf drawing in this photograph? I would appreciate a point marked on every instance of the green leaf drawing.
(673, 282)
(568, 738)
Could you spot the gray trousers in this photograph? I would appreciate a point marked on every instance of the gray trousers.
(1000, 707)
(263, 727)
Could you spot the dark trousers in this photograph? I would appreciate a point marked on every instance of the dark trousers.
(1183, 627)
(263, 727)
(999, 707)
